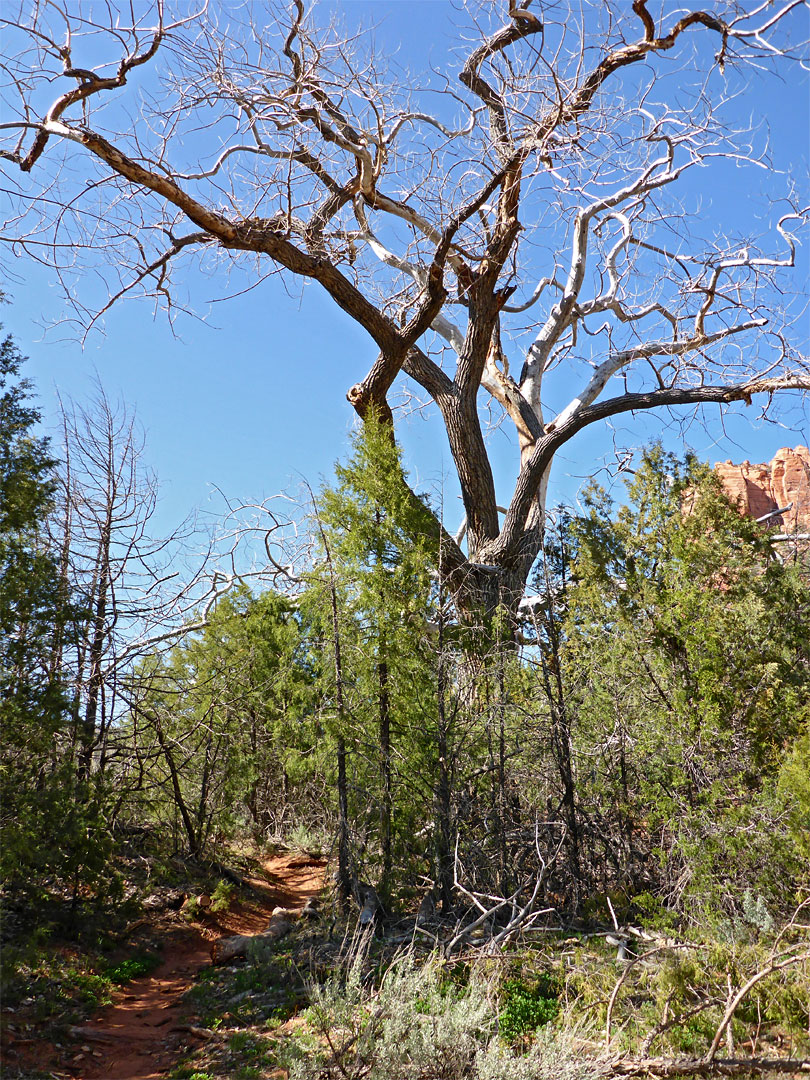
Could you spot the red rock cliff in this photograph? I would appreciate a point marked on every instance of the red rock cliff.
(759, 489)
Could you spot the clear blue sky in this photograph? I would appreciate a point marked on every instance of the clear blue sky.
(253, 398)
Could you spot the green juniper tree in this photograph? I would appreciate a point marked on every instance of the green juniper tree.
(387, 605)
(686, 640)
(33, 774)
(219, 722)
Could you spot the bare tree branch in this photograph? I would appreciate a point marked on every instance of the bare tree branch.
(543, 169)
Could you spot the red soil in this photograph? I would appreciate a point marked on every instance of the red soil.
(141, 1035)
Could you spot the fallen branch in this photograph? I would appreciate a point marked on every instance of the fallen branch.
(522, 915)
(199, 1032)
(87, 1034)
(280, 924)
(128, 931)
(702, 1067)
(777, 965)
(677, 1021)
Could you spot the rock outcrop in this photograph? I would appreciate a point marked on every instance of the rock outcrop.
(760, 489)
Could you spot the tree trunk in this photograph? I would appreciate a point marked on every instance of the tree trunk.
(179, 801)
(87, 738)
(561, 742)
(344, 878)
(344, 873)
(506, 877)
(252, 798)
(386, 803)
(442, 829)
(487, 599)
(205, 781)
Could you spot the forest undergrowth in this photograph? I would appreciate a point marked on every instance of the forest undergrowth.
(565, 1000)
(568, 1006)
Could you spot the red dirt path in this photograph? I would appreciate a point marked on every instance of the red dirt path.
(141, 1035)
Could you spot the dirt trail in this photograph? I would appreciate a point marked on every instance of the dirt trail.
(142, 1034)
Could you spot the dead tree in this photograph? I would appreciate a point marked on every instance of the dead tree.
(516, 248)
(129, 590)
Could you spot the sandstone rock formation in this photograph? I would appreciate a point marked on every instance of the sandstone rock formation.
(759, 489)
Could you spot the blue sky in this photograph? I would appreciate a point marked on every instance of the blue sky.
(253, 398)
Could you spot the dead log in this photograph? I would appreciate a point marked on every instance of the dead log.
(286, 912)
(199, 1032)
(230, 948)
(702, 1067)
(197, 907)
(129, 930)
(89, 1035)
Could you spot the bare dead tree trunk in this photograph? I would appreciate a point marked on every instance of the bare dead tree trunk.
(117, 578)
(95, 656)
(179, 801)
(252, 799)
(562, 749)
(495, 822)
(384, 720)
(344, 878)
(202, 802)
(62, 543)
